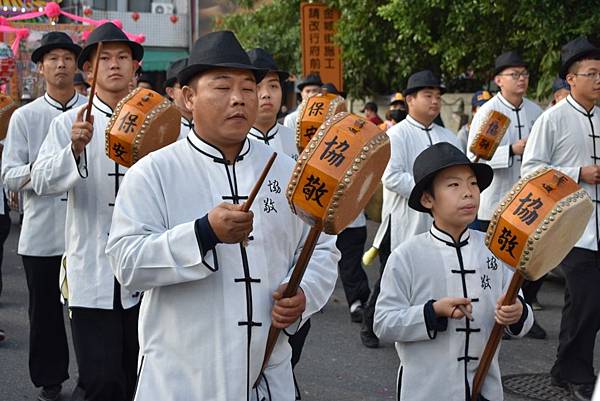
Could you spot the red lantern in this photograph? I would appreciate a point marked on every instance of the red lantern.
(88, 11)
(135, 16)
(174, 18)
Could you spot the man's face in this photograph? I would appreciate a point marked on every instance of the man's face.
(513, 80)
(224, 105)
(115, 69)
(560, 95)
(269, 97)
(585, 80)
(82, 89)
(309, 90)
(58, 67)
(399, 105)
(455, 199)
(426, 103)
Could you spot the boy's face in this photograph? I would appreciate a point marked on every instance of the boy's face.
(269, 97)
(455, 199)
(426, 103)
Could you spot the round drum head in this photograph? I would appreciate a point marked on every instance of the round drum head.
(338, 172)
(539, 222)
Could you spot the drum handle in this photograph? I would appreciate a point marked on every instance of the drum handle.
(88, 108)
(292, 287)
(495, 337)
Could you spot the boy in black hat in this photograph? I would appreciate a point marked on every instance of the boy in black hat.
(266, 128)
(408, 138)
(73, 159)
(567, 137)
(41, 242)
(308, 86)
(560, 90)
(433, 277)
(174, 92)
(81, 84)
(178, 234)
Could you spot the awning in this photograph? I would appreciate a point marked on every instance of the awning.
(158, 59)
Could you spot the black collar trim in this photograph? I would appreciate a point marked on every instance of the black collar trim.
(447, 239)
(187, 123)
(102, 107)
(265, 136)
(58, 105)
(578, 107)
(417, 124)
(209, 150)
(509, 104)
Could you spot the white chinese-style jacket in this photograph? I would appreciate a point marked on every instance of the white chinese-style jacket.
(506, 167)
(408, 139)
(92, 186)
(438, 362)
(43, 227)
(205, 317)
(186, 125)
(567, 137)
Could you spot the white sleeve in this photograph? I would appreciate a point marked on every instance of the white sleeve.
(539, 151)
(56, 171)
(396, 320)
(143, 252)
(397, 176)
(16, 164)
(290, 121)
(501, 157)
(319, 278)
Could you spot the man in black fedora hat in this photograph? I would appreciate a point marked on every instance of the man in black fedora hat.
(80, 84)
(431, 280)
(512, 77)
(307, 86)
(408, 138)
(213, 273)
(41, 241)
(567, 137)
(73, 160)
(173, 90)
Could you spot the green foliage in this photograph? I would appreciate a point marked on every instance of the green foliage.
(384, 41)
(273, 26)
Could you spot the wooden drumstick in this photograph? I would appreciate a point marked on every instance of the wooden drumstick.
(248, 204)
(465, 312)
(88, 109)
(292, 287)
(495, 337)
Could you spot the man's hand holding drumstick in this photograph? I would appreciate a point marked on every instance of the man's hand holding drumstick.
(81, 132)
(453, 308)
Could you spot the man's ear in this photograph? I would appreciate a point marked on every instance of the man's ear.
(497, 81)
(170, 91)
(427, 200)
(570, 78)
(40, 68)
(188, 97)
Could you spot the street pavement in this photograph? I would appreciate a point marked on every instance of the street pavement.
(335, 366)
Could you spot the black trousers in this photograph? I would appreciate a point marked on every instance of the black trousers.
(351, 243)
(4, 230)
(369, 309)
(106, 347)
(48, 347)
(580, 321)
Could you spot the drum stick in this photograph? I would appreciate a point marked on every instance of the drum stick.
(292, 287)
(88, 109)
(495, 337)
(248, 204)
(465, 312)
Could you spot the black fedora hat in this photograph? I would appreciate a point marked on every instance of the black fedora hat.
(108, 33)
(310, 79)
(507, 60)
(423, 79)
(218, 50)
(575, 50)
(54, 40)
(436, 158)
(262, 59)
(174, 69)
